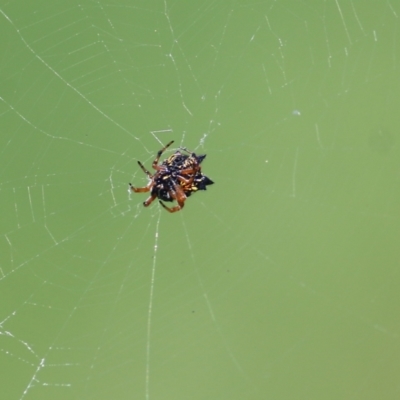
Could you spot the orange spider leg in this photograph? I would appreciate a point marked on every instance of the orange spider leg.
(141, 190)
(192, 174)
(186, 182)
(190, 171)
(150, 200)
(146, 188)
(179, 196)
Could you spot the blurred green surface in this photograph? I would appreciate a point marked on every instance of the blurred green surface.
(280, 281)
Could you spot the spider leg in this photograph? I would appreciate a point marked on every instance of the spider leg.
(199, 157)
(187, 151)
(141, 190)
(155, 162)
(145, 189)
(186, 181)
(190, 171)
(145, 170)
(179, 196)
(150, 200)
(173, 209)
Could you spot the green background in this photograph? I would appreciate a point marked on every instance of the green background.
(280, 281)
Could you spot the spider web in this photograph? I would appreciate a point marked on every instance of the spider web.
(279, 280)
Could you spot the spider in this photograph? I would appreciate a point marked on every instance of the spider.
(176, 178)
